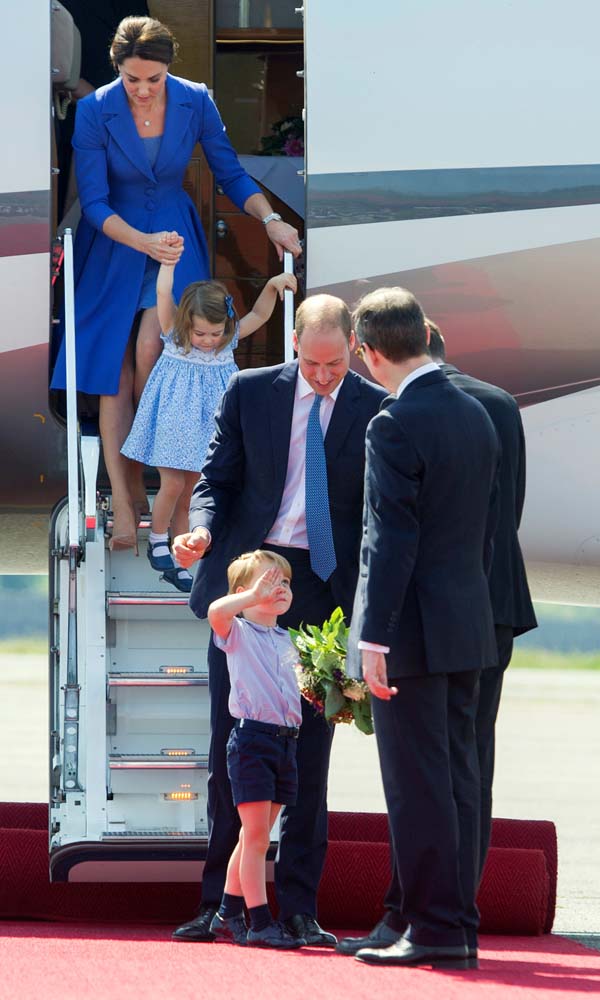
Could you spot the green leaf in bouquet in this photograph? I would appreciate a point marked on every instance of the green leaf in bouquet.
(325, 660)
(334, 700)
(363, 721)
(316, 633)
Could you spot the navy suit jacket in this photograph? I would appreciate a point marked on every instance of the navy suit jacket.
(430, 514)
(239, 495)
(511, 600)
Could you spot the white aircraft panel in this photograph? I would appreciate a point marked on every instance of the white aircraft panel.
(344, 253)
(25, 86)
(24, 293)
(415, 84)
(563, 475)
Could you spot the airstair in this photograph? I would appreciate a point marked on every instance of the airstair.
(129, 707)
(129, 701)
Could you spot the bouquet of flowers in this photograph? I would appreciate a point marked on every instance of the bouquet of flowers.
(286, 139)
(322, 675)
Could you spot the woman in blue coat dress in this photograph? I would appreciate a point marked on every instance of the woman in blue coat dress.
(133, 139)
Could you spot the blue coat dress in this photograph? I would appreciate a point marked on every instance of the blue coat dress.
(114, 176)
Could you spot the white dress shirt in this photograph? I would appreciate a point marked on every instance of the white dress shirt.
(429, 366)
(290, 524)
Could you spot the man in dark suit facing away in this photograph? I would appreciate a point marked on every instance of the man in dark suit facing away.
(511, 601)
(284, 471)
(423, 627)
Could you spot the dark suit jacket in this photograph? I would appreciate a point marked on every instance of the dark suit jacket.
(511, 600)
(432, 464)
(239, 494)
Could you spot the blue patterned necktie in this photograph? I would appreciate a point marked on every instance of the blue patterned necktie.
(318, 518)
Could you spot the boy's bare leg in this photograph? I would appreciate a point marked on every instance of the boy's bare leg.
(257, 820)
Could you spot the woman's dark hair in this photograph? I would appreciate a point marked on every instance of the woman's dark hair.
(142, 38)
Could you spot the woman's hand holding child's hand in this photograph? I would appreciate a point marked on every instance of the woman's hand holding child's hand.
(166, 248)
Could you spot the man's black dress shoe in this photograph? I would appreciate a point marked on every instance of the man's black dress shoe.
(406, 953)
(274, 935)
(231, 929)
(381, 936)
(302, 925)
(198, 929)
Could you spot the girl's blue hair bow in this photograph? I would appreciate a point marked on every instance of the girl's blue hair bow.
(229, 306)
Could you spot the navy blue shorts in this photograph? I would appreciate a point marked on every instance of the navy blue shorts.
(262, 765)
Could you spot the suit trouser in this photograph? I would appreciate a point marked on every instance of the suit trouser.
(430, 770)
(303, 829)
(490, 690)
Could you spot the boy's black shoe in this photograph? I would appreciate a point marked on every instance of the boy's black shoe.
(197, 929)
(232, 929)
(274, 935)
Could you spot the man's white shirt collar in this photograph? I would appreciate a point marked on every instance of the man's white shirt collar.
(303, 388)
(429, 366)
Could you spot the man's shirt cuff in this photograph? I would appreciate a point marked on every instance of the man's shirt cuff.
(373, 646)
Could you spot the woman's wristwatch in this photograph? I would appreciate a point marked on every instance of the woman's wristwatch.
(271, 217)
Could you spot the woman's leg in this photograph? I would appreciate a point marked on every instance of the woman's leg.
(172, 483)
(148, 347)
(257, 819)
(181, 514)
(116, 418)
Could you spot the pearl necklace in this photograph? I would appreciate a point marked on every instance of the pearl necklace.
(147, 123)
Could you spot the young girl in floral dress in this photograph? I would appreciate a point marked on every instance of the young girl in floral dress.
(175, 418)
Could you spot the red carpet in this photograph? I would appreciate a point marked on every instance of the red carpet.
(517, 894)
(141, 963)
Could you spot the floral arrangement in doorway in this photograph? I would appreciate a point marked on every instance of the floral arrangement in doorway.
(322, 676)
(286, 138)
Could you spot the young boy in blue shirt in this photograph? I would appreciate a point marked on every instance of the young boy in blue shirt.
(261, 751)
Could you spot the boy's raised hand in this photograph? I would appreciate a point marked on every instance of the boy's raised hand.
(282, 281)
(266, 587)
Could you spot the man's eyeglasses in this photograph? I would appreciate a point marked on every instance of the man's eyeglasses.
(360, 351)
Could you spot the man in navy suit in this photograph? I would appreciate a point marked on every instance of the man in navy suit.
(423, 623)
(255, 492)
(509, 590)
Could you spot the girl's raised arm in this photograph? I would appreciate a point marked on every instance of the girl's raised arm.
(265, 303)
(165, 306)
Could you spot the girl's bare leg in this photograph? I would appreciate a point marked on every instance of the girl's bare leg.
(171, 486)
(181, 514)
(257, 819)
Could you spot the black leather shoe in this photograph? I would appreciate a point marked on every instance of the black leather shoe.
(274, 935)
(231, 929)
(302, 925)
(406, 953)
(381, 936)
(198, 929)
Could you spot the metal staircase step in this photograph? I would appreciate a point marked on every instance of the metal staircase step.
(152, 835)
(148, 605)
(153, 679)
(158, 761)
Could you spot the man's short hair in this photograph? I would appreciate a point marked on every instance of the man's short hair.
(437, 345)
(241, 570)
(391, 321)
(324, 310)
